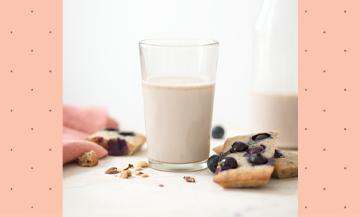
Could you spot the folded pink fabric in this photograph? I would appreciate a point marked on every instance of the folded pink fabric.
(78, 123)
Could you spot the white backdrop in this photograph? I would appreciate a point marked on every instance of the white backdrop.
(101, 63)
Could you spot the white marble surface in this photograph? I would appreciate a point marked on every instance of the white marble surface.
(89, 192)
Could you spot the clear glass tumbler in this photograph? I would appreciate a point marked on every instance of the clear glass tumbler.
(178, 79)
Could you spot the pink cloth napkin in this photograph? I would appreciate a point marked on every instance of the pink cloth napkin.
(80, 122)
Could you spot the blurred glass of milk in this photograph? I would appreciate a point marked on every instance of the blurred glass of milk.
(274, 94)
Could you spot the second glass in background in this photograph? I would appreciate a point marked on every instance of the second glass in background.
(274, 96)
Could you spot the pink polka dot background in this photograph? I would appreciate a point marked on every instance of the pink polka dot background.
(329, 74)
(31, 108)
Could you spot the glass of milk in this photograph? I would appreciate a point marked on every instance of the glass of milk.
(178, 80)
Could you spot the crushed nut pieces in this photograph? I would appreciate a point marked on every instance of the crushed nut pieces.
(189, 179)
(161, 185)
(122, 168)
(124, 175)
(126, 167)
(125, 170)
(144, 175)
(137, 168)
(141, 164)
(112, 170)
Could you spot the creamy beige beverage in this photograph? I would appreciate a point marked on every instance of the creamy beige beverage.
(178, 115)
(276, 112)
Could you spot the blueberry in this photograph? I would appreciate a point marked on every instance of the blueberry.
(260, 136)
(222, 155)
(256, 149)
(217, 132)
(238, 147)
(213, 162)
(127, 133)
(258, 159)
(277, 154)
(111, 129)
(117, 147)
(228, 163)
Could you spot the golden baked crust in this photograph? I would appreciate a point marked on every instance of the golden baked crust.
(246, 174)
(284, 167)
(88, 159)
(134, 143)
(244, 177)
(99, 140)
(218, 149)
(287, 166)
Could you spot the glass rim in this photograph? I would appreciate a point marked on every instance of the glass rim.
(160, 42)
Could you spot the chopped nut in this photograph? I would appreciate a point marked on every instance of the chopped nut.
(126, 167)
(139, 173)
(161, 185)
(144, 175)
(141, 164)
(122, 168)
(128, 172)
(124, 175)
(137, 168)
(189, 179)
(112, 170)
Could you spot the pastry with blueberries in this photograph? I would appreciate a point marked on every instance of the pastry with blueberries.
(118, 143)
(246, 161)
(286, 163)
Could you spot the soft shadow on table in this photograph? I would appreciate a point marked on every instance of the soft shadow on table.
(274, 186)
(72, 168)
(141, 152)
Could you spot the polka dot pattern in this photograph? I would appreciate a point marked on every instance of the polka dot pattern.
(30, 86)
(329, 73)
(327, 38)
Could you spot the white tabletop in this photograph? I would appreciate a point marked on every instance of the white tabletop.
(88, 191)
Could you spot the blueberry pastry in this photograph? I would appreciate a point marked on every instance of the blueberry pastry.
(246, 161)
(118, 143)
(286, 163)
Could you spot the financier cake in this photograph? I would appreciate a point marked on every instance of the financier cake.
(118, 143)
(246, 161)
(286, 163)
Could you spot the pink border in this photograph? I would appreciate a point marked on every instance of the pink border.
(328, 108)
(31, 86)
(31, 108)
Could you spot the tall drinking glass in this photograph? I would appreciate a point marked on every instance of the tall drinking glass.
(178, 80)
